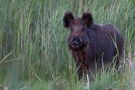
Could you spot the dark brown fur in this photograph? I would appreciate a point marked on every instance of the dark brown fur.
(94, 44)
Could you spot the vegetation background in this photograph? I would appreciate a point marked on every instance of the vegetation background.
(33, 43)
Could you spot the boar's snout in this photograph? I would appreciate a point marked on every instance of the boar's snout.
(76, 43)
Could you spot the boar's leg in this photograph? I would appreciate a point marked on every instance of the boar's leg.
(81, 69)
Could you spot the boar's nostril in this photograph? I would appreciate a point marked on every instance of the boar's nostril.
(80, 40)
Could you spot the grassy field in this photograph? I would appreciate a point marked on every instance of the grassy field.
(33, 43)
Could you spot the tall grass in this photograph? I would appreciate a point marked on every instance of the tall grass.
(33, 42)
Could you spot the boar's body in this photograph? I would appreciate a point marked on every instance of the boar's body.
(93, 45)
(104, 43)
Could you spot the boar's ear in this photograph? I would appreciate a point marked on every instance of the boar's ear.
(87, 19)
(68, 17)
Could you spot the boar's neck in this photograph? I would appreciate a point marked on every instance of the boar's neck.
(81, 57)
